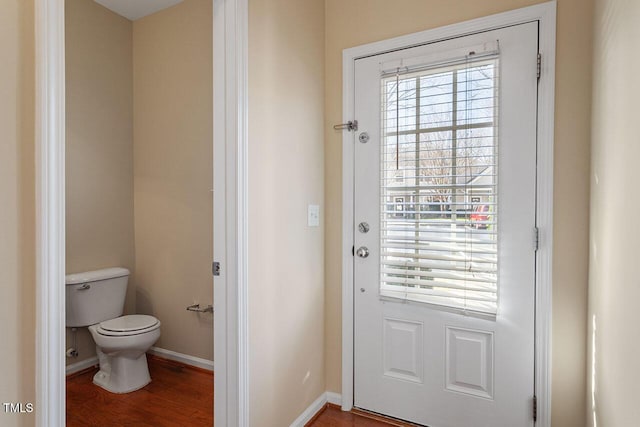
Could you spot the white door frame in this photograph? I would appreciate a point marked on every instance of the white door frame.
(545, 14)
(230, 153)
(50, 220)
(230, 198)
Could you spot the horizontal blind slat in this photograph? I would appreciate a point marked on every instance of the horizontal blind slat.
(437, 257)
(412, 228)
(444, 273)
(461, 265)
(441, 291)
(462, 304)
(400, 239)
(439, 247)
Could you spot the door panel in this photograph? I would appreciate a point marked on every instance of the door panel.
(444, 301)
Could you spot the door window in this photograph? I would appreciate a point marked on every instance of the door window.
(439, 241)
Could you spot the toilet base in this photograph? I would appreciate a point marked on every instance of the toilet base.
(122, 374)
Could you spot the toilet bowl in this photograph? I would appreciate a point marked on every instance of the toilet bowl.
(121, 345)
(95, 299)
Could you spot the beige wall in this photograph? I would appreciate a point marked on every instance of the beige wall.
(614, 281)
(99, 147)
(286, 277)
(381, 19)
(297, 294)
(17, 210)
(173, 134)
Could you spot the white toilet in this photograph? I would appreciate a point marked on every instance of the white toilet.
(96, 299)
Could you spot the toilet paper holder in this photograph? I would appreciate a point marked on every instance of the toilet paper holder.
(198, 309)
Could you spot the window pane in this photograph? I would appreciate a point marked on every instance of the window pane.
(439, 220)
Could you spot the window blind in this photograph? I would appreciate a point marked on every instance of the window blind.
(439, 190)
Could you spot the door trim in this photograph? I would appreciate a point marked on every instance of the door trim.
(545, 14)
(230, 153)
(50, 212)
(230, 19)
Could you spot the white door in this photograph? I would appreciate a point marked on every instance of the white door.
(444, 263)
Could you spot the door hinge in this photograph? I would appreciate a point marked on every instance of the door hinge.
(536, 238)
(539, 66)
(351, 125)
(215, 268)
(535, 408)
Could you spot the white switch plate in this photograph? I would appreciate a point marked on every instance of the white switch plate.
(313, 216)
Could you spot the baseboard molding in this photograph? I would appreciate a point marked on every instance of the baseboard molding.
(160, 352)
(81, 365)
(334, 398)
(182, 358)
(318, 405)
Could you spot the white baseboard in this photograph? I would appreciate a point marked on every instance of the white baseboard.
(79, 366)
(334, 398)
(316, 406)
(161, 352)
(182, 358)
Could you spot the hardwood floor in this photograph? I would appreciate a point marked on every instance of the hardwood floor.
(333, 416)
(177, 396)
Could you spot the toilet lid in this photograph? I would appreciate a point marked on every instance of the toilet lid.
(129, 324)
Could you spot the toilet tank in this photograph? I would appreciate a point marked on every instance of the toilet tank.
(95, 296)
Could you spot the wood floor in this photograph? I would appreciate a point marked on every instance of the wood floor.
(177, 396)
(333, 416)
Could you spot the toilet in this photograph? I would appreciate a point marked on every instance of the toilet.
(95, 299)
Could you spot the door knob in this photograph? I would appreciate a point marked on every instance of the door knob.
(362, 252)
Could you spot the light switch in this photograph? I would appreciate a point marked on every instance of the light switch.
(313, 216)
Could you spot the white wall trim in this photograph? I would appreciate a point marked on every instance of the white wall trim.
(545, 14)
(334, 398)
(50, 219)
(315, 407)
(81, 365)
(311, 411)
(186, 359)
(544, 212)
(231, 341)
(348, 226)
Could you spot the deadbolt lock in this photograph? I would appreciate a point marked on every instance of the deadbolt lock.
(364, 227)
(363, 137)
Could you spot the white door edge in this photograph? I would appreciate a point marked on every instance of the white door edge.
(545, 14)
(230, 210)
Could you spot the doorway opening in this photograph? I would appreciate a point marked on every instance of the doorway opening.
(229, 250)
(139, 201)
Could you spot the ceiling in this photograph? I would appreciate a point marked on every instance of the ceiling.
(135, 9)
